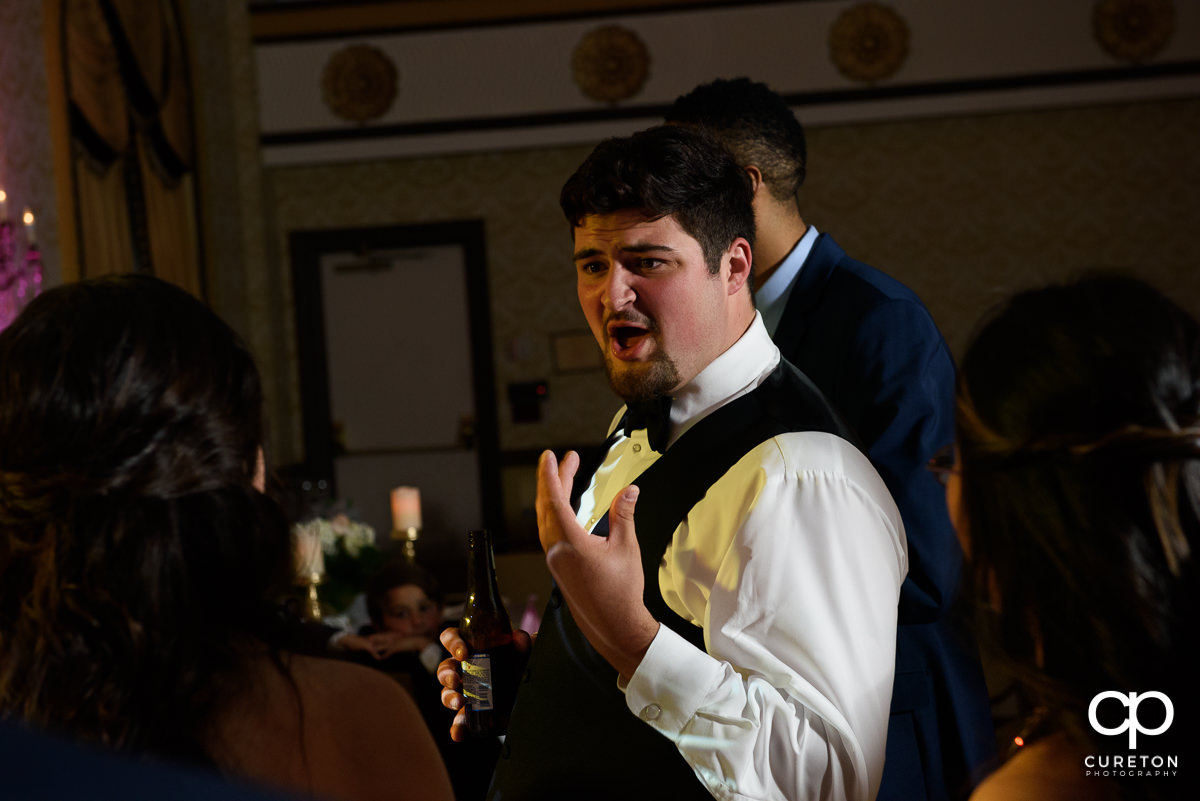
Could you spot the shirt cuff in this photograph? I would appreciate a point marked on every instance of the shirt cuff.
(671, 683)
(431, 657)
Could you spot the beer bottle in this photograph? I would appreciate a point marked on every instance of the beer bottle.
(488, 672)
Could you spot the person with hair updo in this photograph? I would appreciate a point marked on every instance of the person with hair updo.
(139, 557)
(1075, 494)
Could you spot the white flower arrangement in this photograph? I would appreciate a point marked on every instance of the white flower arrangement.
(354, 535)
(327, 533)
(340, 550)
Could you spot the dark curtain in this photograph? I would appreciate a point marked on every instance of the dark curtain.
(132, 135)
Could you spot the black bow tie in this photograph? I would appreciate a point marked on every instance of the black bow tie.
(653, 415)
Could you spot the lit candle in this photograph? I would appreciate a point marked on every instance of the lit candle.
(406, 508)
(310, 558)
(30, 230)
(3, 205)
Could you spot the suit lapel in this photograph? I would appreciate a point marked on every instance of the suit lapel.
(807, 291)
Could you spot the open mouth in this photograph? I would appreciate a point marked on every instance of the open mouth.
(627, 339)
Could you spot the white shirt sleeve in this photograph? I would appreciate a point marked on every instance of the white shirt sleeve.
(792, 563)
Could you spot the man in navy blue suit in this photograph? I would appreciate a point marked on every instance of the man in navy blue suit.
(872, 348)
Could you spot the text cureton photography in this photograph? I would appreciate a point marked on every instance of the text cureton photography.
(1130, 765)
(1122, 709)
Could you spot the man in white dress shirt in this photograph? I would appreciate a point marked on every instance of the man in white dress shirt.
(741, 643)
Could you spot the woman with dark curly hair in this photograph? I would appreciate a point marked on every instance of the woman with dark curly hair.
(139, 557)
(1076, 494)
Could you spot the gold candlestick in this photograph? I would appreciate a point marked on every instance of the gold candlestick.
(409, 537)
(312, 606)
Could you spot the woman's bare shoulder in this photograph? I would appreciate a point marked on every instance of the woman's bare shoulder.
(361, 734)
(1049, 769)
(372, 726)
(346, 682)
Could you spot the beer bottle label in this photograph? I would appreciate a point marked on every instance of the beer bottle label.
(477, 682)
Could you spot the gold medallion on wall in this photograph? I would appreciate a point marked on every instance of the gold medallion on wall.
(868, 42)
(359, 83)
(1133, 30)
(610, 64)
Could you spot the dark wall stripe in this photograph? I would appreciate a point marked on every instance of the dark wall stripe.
(266, 10)
(801, 99)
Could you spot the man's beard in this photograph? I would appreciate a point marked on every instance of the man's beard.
(641, 381)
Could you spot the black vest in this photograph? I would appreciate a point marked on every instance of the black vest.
(572, 736)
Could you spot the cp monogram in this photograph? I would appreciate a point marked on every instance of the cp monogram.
(1131, 723)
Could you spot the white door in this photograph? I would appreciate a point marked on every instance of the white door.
(402, 339)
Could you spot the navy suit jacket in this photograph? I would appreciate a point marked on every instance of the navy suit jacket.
(872, 347)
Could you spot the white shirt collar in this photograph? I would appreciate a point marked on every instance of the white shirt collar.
(734, 373)
(771, 297)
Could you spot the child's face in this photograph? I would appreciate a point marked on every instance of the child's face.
(409, 612)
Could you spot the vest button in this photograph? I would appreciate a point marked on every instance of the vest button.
(651, 712)
(637, 447)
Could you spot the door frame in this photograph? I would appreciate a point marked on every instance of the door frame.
(308, 248)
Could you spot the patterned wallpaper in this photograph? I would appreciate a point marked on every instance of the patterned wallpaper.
(966, 210)
(962, 209)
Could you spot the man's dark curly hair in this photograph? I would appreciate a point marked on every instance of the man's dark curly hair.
(755, 124)
(667, 170)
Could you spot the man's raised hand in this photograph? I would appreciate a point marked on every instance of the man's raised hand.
(601, 577)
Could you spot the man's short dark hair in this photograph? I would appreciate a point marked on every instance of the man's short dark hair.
(667, 170)
(755, 123)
